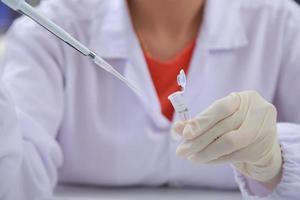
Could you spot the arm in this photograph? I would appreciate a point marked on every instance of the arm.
(286, 100)
(266, 158)
(285, 185)
(32, 74)
(288, 185)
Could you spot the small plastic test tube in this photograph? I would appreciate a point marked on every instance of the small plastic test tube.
(177, 99)
(179, 105)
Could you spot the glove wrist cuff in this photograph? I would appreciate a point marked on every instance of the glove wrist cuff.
(270, 166)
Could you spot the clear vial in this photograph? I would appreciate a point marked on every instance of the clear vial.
(179, 105)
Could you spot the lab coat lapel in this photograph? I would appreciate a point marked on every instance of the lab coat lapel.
(223, 25)
(137, 72)
(116, 40)
(222, 32)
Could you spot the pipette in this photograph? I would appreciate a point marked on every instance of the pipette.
(25, 9)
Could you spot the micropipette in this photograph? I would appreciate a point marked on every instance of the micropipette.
(25, 9)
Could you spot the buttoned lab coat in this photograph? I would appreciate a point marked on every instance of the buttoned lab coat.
(78, 124)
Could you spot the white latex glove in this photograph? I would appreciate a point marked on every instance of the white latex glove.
(238, 129)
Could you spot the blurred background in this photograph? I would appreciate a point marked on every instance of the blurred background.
(7, 15)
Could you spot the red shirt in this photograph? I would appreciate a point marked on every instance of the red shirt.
(164, 76)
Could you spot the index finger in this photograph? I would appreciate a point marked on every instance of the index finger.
(216, 112)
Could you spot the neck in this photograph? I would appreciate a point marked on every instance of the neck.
(166, 22)
(167, 15)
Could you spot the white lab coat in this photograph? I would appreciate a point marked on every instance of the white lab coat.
(79, 124)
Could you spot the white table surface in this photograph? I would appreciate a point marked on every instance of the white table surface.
(92, 193)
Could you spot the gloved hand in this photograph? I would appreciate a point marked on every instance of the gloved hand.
(238, 129)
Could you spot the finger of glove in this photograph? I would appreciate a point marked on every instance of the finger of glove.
(242, 145)
(178, 127)
(218, 111)
(239, 156)
(201, 142)
(249, 153)
(256, 121)
(223, 146)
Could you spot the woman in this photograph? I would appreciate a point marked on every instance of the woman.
(64, 111)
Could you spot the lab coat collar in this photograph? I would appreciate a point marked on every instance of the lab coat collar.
(115, 39)
(223, 26)
(111, 29)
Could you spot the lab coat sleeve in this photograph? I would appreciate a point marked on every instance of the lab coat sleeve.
(286, 101)
(32, 74)
(289, 186)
